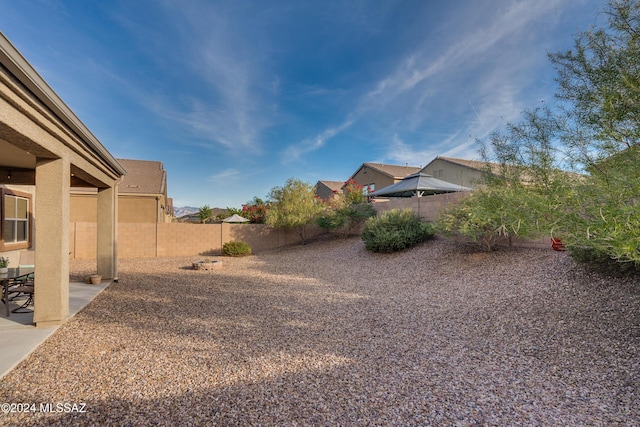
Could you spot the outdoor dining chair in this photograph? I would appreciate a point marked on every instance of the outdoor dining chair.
(24, 287)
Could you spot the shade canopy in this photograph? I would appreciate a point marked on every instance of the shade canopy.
(418, 184)
(235, 218)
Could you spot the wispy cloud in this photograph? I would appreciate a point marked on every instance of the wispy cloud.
(402, 153)
(473, 44)
(218, 70)
(295, 152)
(224, 176)
(476, 65)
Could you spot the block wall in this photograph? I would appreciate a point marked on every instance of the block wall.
(427, 207)
(180, 239)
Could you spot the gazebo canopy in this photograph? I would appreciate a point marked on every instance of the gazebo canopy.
(418, 184)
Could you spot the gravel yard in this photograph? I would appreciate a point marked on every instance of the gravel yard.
(329, 334)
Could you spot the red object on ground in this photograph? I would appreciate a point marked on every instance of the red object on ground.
(557, 245)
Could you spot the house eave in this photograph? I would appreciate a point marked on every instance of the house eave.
(15, 62)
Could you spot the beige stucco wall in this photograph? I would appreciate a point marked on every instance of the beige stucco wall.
(131, 209)
(368, 176)
(451, 172)
(53, 149)
(324, 192)
(84, 208)
(137, 209)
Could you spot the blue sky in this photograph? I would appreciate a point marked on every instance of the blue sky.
(235, 97)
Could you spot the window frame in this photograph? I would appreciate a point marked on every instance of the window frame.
(9, 246)
(368, 188)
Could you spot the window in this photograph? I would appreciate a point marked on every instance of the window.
(16, 220)
(369, 188)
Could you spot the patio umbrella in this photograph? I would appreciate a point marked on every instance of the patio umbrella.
(235, 218)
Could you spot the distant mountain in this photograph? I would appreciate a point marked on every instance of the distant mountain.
(186, 210)
(190, 210)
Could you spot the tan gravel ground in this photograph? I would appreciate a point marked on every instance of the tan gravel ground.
(328, 334)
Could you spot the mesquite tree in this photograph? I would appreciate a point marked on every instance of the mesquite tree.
(592, 128)
(293, 206)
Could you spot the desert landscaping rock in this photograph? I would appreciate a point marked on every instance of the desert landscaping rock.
(329, 334)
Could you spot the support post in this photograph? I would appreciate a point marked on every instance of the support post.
(107, 246)
(51, 298)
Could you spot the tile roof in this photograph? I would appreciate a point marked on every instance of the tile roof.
(143, 177)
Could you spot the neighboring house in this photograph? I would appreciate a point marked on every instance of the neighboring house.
(467, 173)
(327, 189)
(142, 196)
(373, 176)
(45, 150)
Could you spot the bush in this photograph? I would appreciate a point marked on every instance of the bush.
(601, 262)
(395, 230)
(236, 249)
(492, 213)
(344, 220)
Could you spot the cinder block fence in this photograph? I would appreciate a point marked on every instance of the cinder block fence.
(180, 239)
(144, 240)
(429, 207)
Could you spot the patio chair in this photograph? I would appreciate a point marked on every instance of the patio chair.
(25, 290)
(24, 287)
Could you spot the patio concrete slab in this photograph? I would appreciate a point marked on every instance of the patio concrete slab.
(18, 335)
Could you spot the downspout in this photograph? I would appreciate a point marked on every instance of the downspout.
(116, 209)
(157, 219)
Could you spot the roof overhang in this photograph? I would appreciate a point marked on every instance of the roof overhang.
(20, 68)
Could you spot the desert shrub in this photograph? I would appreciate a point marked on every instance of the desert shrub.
(236, 249)
(346, 211)
(593, 128)
(600, 261)
(495, 212)
(344, 218)
(395, 230)
(255, 211)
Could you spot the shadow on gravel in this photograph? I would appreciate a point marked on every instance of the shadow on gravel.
(338, 336)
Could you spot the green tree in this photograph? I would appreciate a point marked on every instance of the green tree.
(600, 93)
(346, 211)
(593, 128)
(232, 211)
(205, 213)
(293, 206)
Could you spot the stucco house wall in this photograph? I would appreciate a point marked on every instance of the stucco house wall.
(327, 189)
(378, 175)
(142, 196)
(456, 173)
(45, 146)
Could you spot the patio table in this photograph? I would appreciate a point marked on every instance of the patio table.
(6, 278)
